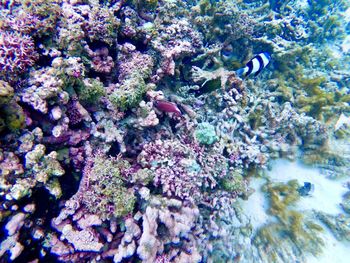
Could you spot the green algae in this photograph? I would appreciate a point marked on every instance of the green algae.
(47, 12)
(91, 90)
(234, 182)
(317, 102)
(107, 195)
(146, 4)
(12, 115)
(130, 93)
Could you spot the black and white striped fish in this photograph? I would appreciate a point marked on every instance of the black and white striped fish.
(255, 65)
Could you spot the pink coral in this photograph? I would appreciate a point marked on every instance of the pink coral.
(23, 22)
(183, 169)
(130, 61)
(10, 164)
(101, 61)
(17, 52)
(176, 168)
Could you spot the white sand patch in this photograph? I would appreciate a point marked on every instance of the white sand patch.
(334, 250)
(326, 197)
(303, 4)
(345, 46)
(327, 194)
(347, 15)
(256, 205)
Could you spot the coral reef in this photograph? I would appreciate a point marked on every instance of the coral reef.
(17, 53)
(126, 134)
(205, 133)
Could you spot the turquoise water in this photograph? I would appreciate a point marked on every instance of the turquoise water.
(174, 131)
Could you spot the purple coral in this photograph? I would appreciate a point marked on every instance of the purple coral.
(17, 52)
(101, 61)
(23, 22)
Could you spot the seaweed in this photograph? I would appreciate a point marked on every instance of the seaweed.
(292, 231)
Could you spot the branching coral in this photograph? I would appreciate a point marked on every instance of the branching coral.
(17, 53)
(45, 168)
(32, 17)
(155, 187)
(182, 170)
(225, 21)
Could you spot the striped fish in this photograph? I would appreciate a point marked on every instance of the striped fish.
(255, 65)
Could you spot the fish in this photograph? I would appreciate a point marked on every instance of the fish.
(307, 189)
(255, 65)
(167, 106)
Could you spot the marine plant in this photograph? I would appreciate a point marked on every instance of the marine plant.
(91, 90)
(107, 194)
(292, 231)
(92, 170)
(12, 115)
(37, 18)
(129, 94)
(318, 102)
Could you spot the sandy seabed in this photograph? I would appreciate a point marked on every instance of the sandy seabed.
(326, 197)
